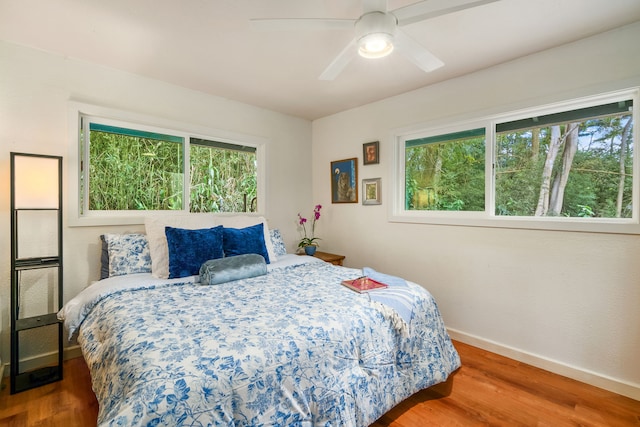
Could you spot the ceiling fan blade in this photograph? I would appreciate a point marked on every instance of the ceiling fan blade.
(301, 24)
(340, 61)
(415, 52)
(431, 8)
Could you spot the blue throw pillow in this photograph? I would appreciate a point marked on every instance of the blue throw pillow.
(189, 249)
(222, 270)
(248, 240)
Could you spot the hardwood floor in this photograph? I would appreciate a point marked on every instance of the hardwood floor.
(66, 403)
(489, 390)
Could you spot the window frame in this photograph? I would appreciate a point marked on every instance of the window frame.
(488, 218)
(112, 117)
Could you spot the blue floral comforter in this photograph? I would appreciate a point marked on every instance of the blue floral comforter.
(293, 347)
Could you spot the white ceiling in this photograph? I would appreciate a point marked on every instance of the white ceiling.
(209, 46)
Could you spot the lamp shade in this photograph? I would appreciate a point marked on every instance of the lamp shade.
(36, 184)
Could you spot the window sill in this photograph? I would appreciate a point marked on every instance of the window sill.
(467, 219)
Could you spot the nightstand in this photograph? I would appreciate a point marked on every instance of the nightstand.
(332, 258)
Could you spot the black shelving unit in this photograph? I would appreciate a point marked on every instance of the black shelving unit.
(43, 267)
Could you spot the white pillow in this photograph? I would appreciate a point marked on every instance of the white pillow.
(242, 221)
(158, 240)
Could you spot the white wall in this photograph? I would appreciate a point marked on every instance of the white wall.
(564, 301)
(35, 88)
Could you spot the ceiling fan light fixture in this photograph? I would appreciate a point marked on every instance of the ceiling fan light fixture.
(375, 45)
(374, 33)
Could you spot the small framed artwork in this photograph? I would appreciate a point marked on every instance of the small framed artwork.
(344, 181)
(371, 191)
(371, 153)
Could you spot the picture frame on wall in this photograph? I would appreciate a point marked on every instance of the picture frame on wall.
(344, 181)
(372, 191)
(371, 153)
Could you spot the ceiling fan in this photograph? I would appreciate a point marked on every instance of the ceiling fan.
(377, 31)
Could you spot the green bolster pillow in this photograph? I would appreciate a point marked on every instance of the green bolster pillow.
(222, 270)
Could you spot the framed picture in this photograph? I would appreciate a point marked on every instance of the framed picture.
(371, 153)
(344, 181)
(371, 191)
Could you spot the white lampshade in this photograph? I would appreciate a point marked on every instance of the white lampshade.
(36, 183)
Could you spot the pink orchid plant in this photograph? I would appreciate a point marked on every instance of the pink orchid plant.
(309, 241)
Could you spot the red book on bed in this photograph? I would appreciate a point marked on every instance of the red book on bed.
(363, 284)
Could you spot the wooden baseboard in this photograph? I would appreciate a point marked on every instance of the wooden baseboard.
(43, 360)
(72, 352)
(587, 377)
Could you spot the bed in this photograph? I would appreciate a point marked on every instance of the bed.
(289, 347)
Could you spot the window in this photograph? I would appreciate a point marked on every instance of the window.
(577, 163)
(568, 167)
(223, 177)
(446, 172)
(133, 170)
(126, 168)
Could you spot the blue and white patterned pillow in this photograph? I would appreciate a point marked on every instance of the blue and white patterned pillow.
(278, 243)
(127, 253)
